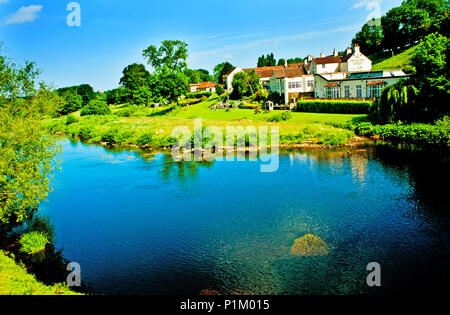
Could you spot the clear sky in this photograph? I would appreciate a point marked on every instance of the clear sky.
(113, 33)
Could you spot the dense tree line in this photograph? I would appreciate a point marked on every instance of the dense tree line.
(404, 26)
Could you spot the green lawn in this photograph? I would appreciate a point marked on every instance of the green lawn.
(399, 61)
(203, 111)
(154, 126)
(14, 280)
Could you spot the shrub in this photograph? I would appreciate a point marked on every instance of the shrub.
(85, 133)
(146, 138)
(198, 94)
(127, 112)
(280, 117)
(71, 120)
(110, 135)
(219, 89)
(335, 106)
(33, 242)
(96, 107)
(421, 134)
(72, 103)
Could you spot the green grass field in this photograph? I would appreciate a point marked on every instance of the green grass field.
(400, 61)
(14, 280)
(154, 126)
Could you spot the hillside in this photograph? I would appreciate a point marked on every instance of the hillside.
(400, 61)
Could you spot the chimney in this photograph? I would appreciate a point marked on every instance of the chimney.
(310, 58)
(349, 51)
(357, 49)
(335, 52)
(322, 54)
(285, 63)
(305, 61)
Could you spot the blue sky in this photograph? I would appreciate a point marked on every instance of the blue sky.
(113, 33)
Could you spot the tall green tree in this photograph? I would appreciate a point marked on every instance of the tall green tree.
(245, 84)
(27, 154)
(172, 55)
(135, 81)
(432, 76)
(370, 39)
(220, 70)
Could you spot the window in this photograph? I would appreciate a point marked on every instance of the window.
(295, 85)
(310, 84)
(347, 92)
(324, 66)
(332, 92)
(375, 90)
(359, 91)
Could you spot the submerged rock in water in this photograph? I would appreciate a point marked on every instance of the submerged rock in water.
(310, 245)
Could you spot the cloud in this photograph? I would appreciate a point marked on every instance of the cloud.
(24, 14)
(363, 3)
(227, 49)
(4, 1)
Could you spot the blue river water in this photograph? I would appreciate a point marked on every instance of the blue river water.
(141, 223)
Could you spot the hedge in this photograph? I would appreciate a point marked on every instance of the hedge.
(198, 94)
(334, 106)
(414, 134)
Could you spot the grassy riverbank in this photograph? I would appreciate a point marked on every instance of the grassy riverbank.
(14, 280)
(146, 126)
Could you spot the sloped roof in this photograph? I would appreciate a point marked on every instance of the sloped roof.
(346, 58)
(204, 85)
(289, 73)
(229, 72)
(377, 83)
(328, 59)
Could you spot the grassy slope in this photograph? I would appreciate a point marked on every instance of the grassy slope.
(386, 62)
(14, 280)
(300, 128)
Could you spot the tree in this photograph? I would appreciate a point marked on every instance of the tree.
(432, 69)
(370, 39)
(220, 70)
(96, 107)
(135, 79)
(172, 54)
(169, 85)
(219, 90)
(27, 153)
(86, 92)
(116, 96)
(245, 84)
(266, 61)
(198, 76)
(407, 24)
(72, 103)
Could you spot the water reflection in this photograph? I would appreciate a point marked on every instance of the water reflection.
(151, 225)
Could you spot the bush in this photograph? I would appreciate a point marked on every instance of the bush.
(219, 90)
(71, 120)
(280, 117)
(421, 134)
(198, 94)
(145, 139)
(334, 106)
(96, 107)
(33, 242)
(127, 112)
(72, 103)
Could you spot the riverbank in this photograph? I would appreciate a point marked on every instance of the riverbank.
(147, 127)
(14, 280)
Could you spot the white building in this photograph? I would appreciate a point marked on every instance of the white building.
(290, 80)
(350, 76)
(358, 85)
(335, 76)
